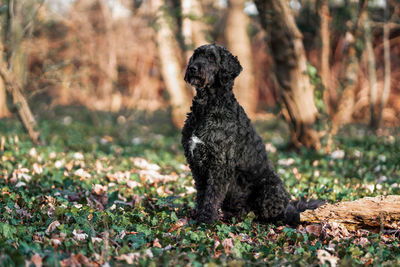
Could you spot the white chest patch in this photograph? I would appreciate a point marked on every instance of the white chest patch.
(193, 142)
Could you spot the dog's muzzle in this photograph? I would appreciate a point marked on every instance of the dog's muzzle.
(193, 69)
(194, 75)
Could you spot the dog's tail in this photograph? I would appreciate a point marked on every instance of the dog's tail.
(293, 209)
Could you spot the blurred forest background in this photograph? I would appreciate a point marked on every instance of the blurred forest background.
(320, 64)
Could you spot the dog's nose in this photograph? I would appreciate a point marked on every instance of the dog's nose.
(193, 68)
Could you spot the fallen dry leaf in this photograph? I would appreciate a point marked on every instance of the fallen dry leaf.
(69, 166)
(324, 257)
(36, 259)
(228, 244)
(77, 261)
(99, 189)
(82, 173)
(33, 152)
(19, 184)
(337, 230)
(79, 236)
(280, 228)
(217, 242)
(363, 241)
(149, 253)
(286, 162)
(37, 168)
(314, 229)
(144, 164)
(59, 164)
(367, 262)
(337, 154)
(130, 258)
(181, 222)
(156, 243)
(52, 226)
(96, 239)
(78, 156)
(56, 242)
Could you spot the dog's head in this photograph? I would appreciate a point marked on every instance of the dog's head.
(212, 66)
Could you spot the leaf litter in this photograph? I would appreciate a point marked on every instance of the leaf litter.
(94, 209)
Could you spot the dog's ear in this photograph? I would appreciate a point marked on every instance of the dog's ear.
(229, 67)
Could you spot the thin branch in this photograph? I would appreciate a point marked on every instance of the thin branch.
(392, 25)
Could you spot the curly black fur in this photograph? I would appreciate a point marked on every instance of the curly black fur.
(227, 157)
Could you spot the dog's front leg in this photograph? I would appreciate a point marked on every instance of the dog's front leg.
(211, 195)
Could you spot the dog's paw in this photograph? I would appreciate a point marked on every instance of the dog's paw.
(193, 214)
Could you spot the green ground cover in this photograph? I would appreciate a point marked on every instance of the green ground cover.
(115, 189)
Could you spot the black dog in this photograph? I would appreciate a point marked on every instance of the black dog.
(227, 157)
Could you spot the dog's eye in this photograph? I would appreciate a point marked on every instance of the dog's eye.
(211, 58)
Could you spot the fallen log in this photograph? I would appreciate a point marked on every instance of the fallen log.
(381, 212)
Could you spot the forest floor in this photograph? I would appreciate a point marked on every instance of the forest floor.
(115, 189)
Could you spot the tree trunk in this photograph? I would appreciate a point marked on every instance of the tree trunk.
(187, 29)
(239, 44)
(368, 212)
(4, 112)
(171, 70)
(373, 87)
(200, 29)
(387, 68)
(3, 100)
(351, 68)
(344, 111)
(108, 61)
(17, 33)
(13, 86)
(325, 53)
(291, 70)
(14, 78)
(193, 28)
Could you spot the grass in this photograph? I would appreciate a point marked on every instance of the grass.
(115, 188)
